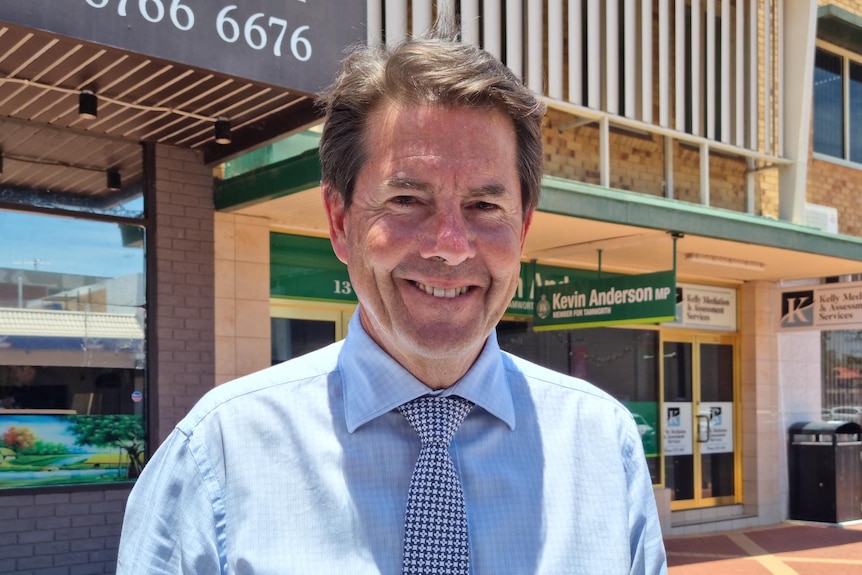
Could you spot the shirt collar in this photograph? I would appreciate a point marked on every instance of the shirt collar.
(374, 383)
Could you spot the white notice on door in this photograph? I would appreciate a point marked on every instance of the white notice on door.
(720, 427)
(677, 428)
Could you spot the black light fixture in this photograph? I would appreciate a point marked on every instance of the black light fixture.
(1, 161)
(222, 131)
(115, 182)
(88, 106)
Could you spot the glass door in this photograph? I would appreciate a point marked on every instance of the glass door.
(298, 327)
(701, 459)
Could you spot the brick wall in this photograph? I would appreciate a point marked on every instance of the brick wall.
(61, 533)
(185, 314)
(838, 186)
(637, 163)
(834, 184)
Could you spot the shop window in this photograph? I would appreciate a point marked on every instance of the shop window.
(623, 362)
(841, 364)
(837, 105)
(72, 353)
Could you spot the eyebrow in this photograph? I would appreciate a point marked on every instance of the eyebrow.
(403, 182)
(406, 183)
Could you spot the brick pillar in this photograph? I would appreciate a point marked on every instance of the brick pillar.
(184, 305)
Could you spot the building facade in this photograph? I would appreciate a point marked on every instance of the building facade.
(699, 154)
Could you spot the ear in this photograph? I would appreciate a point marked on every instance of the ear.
(335, 214)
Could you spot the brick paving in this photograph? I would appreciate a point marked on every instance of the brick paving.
(788, 549)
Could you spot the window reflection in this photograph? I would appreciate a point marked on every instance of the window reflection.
(127, 202)
(841, 364)
(855, 111)
(622, 362)
(828, 104)
(72, 301)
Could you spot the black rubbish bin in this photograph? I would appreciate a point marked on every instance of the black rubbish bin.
(825, 471)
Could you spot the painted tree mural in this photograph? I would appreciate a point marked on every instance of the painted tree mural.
(122, 431)
(19, 438)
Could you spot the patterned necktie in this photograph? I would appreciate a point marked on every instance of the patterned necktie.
(435, 537)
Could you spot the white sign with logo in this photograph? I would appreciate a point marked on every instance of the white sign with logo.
(677, 428)
(720, 414)
(822, 307)
(705, 307)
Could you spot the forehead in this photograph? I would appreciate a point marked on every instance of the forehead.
(455, 133)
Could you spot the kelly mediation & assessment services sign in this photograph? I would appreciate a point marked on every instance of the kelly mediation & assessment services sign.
(822, 307)
(645, 298)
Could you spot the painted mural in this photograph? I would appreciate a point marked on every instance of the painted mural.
(38, 450)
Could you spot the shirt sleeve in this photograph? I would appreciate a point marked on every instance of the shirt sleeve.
(171, 515)
(647, 545)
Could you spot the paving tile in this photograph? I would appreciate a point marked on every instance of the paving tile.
(786, 549)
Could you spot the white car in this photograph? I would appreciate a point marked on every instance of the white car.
(847, 413)
(647, 432)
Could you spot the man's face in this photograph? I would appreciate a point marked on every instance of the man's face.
(433, 237)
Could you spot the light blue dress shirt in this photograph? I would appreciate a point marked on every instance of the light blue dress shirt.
(304, 468)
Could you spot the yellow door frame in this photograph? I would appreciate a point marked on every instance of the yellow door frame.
(696, 339)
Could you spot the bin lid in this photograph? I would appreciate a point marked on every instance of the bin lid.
(825, 427)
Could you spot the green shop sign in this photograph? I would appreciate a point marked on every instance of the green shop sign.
(645, 298)
(535, 275)
(304, 267)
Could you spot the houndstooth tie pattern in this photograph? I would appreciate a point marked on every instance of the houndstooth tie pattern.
(435, 537)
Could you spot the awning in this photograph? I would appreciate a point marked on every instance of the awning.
(580, 225)
(22, 328)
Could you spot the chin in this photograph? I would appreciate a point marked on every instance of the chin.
(443, 344)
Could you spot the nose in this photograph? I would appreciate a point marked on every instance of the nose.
(447, 236)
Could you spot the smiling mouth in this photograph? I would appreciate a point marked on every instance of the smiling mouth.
(440, 292)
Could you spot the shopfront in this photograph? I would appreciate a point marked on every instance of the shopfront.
(108, 139)
(696, 357)
(113, 117)
(679, 378)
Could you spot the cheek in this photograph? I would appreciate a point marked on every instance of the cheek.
(505, 242)
(376, 251)
(504, 259)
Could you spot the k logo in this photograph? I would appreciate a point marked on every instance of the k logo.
(797, 308)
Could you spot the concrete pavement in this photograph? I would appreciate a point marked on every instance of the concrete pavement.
(791, 548)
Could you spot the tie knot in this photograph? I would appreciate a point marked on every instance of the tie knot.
(436, 419)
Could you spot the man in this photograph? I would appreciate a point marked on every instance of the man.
(431, 160)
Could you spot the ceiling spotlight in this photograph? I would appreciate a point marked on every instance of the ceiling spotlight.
(222, 131)
(87, 105)
(115, 182)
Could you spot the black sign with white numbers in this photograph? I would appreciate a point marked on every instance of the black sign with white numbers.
(290, 43)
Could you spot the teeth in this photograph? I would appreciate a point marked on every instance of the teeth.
(440, 292)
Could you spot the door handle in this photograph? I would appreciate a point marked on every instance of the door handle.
(703, 428)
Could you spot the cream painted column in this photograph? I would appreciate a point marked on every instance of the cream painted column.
(242, 324)
(801, 387)
(798, 42)
(762, 433)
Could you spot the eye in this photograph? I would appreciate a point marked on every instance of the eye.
(404, 200)
(485, 206)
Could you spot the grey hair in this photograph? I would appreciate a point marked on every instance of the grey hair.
(435, 68)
